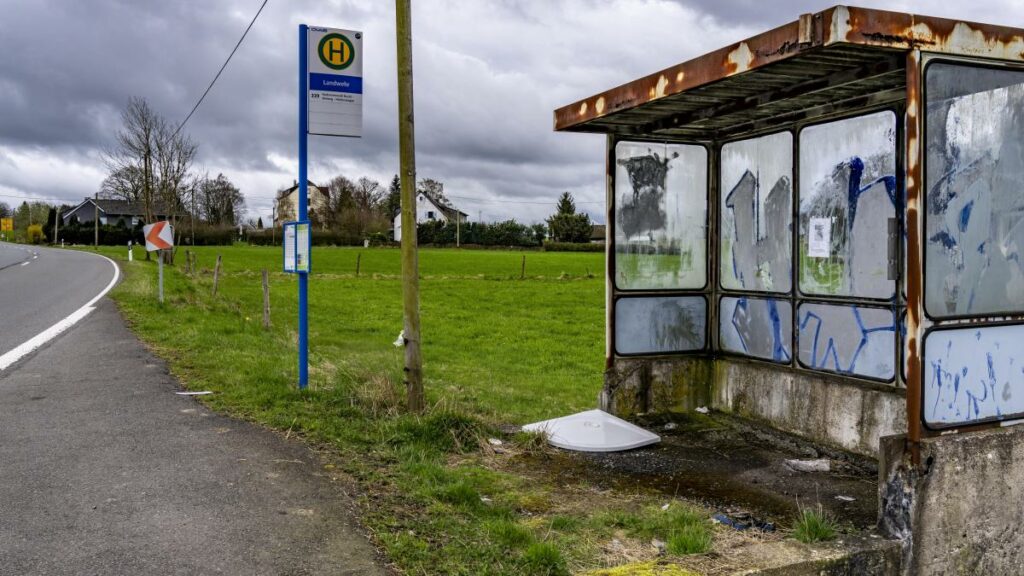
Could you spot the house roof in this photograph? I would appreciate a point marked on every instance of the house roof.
(447, 209)
(115, 207)
(838, 56)
(309, 183)
(597, 232)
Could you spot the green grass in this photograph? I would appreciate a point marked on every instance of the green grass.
(684, 529)
(499, 346)
(814, 525)
(689, 539)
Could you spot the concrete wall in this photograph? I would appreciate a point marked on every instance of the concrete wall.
(826, 409)
(961, 512)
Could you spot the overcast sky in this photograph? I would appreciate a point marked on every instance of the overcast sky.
(488, 74)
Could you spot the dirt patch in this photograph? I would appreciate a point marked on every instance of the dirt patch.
(728, 466)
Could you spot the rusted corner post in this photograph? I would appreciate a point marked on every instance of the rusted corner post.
(915, 269)
(609, 252)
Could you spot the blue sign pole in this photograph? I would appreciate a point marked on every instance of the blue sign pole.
(303, 191)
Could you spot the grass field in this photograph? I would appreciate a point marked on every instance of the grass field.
(500, 346)
(513, 350)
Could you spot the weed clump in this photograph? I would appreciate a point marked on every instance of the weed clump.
(689, 539)
(445, 431)
(544, 559)
(509, 534)
(814, 525)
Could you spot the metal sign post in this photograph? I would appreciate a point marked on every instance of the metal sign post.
(330, 104)
(159, 237)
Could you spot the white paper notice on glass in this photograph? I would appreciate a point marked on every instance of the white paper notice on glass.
(819, 238)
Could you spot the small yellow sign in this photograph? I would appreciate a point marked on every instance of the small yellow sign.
(6, 224)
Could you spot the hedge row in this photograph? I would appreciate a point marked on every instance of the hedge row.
(573, 247)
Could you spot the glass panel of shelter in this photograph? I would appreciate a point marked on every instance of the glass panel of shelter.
(659, 201)
(660, 238)
(974, 237)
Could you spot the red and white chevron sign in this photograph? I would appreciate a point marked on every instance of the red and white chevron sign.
(159, 236)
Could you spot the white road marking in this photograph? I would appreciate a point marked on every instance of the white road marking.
(24, 263)
(52, 332)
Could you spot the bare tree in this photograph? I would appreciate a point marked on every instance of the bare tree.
(435, 190)
(150, 163)
(124, 183)
(174, 155)
(132, 159)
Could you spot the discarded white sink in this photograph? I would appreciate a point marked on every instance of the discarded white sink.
(593, 431)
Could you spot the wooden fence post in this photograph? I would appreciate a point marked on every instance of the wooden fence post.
(216, 275)
(188, 262)
(359, 259)
(266, 299)
(522, 271)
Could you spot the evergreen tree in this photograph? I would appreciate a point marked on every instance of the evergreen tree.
(566, 225)
(393, 204)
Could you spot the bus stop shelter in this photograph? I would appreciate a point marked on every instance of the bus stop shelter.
(821, 227)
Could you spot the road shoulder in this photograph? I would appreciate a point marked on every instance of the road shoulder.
(108, 471)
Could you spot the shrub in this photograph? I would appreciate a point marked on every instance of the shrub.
(34, 234)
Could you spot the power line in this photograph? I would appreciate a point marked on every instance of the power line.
(480, 201)
(225, 65)
(36, 198)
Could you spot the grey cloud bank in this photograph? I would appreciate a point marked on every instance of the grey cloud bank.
(488, 75)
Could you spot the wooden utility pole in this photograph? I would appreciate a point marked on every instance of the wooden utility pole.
(96, 219)
(56, 228)
(410, 257)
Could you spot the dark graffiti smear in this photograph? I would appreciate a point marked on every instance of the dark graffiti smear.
(643, 211)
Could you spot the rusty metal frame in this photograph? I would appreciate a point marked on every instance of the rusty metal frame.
(839, 25)
(914, 183)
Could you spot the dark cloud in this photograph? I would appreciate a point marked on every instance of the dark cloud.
(488, 76)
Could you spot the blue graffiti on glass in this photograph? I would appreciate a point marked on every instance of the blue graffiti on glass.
(973, 374)
(758, 327)
(848, 339)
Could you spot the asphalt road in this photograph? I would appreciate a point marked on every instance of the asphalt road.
(40, 286)
(105, 470)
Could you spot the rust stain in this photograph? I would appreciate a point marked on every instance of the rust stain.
(773, 45)
(739, 60)
(910, 31)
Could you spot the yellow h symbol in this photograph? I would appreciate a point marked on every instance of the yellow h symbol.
(336, 51)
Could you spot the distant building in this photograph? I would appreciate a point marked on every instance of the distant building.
(429, 208)
(113, 212)
(597, 234)
(288, 202)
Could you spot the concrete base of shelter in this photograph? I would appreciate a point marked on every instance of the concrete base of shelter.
(826, 409)
(959, 512)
